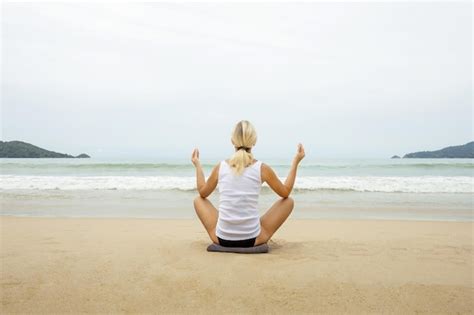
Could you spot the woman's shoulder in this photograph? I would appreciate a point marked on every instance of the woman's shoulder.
(265, 168)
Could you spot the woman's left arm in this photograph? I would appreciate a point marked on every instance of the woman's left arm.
(205, 188)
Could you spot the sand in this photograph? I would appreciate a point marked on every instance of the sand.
(96, 265)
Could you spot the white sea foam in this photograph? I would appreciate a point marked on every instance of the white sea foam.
(423, 184)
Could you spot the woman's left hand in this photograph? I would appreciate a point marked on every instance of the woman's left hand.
(195, 157)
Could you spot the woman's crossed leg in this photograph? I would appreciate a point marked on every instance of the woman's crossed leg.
(270, 222)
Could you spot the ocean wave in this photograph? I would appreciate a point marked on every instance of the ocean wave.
(173, 166)
(402, 164)
(422, 184)
(101, 166)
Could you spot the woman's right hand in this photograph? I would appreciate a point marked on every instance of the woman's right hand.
(195, 157)
(300, 154)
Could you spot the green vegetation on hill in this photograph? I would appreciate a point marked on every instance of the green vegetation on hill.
(19, 149)
(459, 152)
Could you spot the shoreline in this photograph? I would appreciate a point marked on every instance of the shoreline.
(178, 205)
(124, 265)
(470, 221)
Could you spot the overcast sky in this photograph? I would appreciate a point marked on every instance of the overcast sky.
(345, 79)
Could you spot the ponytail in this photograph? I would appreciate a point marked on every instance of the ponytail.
(240, 160)
(244, 138)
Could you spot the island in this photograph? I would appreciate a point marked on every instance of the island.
(20, 149)
(465, 151)
(395, 157)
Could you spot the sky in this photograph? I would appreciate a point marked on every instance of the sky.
(348, 80)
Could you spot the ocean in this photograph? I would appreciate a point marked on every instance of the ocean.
(393, 189)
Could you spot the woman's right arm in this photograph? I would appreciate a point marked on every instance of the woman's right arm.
(283, 189)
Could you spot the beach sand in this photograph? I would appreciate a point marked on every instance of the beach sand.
(146, 265)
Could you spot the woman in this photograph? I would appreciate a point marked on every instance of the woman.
(237, 222)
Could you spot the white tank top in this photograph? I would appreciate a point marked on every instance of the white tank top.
(239, 218)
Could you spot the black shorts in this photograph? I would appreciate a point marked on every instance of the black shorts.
(240, 243)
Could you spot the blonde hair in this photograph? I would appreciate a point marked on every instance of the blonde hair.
(244, 138)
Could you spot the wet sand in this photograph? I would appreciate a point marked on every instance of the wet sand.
(109, 265)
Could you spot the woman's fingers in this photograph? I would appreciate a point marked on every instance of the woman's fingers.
(300, 152)
(300, 148)
(195, 154)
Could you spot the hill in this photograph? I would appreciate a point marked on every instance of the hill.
(459, 151)
(19, 149)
